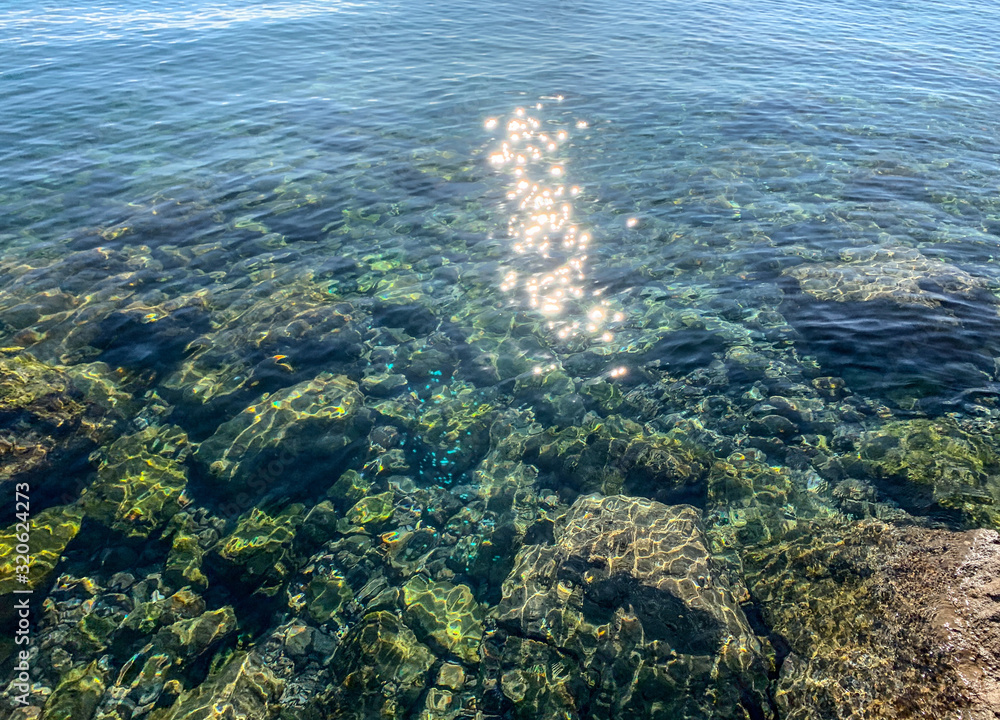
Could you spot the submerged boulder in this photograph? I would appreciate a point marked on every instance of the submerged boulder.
(446, 616)
(258, 553)
(141, 481)
(243, 689)
(310, 425)
(627, 614)
(53, 417)
(51, 530)
(614, 454)
(381, 670)
(934, 465)
(898, 274)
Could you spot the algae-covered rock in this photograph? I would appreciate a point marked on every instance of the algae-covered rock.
(381, 670)
(77, 695)
(614, 453)
(189, 638)
(445, 616)
(383, 384)
(52, 415)
(935, 464)
(261, 546)
(316, 419)
(141, 480)
(630, 591)
(373, 510)
(325, 595)
(41, 391)
(143, 680)
(184, 562)
(147, 617)
(51, 531)
(752, 500)
(350, 487)
(163, 640)
(541, 680)
(243, 689)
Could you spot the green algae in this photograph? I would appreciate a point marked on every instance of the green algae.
(946, 466)
(141, 481)
(260, 546)
(445, 615)
(51, 530)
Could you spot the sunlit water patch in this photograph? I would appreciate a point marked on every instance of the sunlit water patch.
(553, 277)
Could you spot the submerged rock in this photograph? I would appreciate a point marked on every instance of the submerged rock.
(902, 275)
(242, 690)
(325, 595)
(260, 548)
(614, 454)
(448, 425)
(141, 481)
(77, 696)
(53, 416)
(445, 615)
(628, 615)
(381, 670)
(311, 423)
(51, 530)
(371, 511)
(930, 465)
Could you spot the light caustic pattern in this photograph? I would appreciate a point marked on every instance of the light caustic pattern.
(542, 232)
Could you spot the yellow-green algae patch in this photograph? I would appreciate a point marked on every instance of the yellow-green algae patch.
(141, 480)
(960, 470)
(51, 531)
(446, 615)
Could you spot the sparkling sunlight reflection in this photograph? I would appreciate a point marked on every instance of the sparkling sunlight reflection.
(553, 249)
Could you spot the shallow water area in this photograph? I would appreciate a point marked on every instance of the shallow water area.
(590, 360)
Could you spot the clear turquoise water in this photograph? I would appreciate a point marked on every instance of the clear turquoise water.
(831, 127)
(812, 184)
